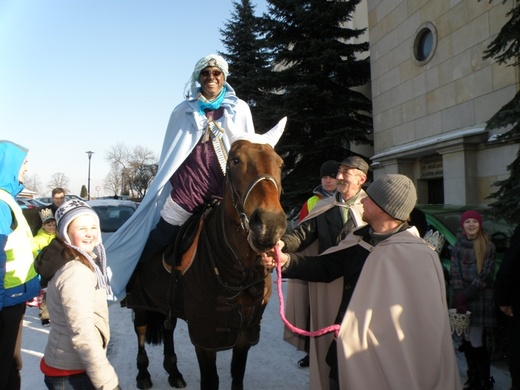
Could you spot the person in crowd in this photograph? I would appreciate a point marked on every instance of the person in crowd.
(190, 172)
(73, 267)
(434, 238)
(327, 224)
(18, 279)
(507, 298)
(326, 189)
(43, 238)
(471, 278)
(297, 289)
(48, 230)
(58, 197)
(394, 330)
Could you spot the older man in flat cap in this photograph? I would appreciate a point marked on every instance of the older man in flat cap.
(325, 226)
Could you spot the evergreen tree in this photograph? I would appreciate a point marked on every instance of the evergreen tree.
(505, 48)
(83, 193)
(315, 79)
(246, 58)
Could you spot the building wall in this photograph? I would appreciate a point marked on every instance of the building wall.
(437, 109)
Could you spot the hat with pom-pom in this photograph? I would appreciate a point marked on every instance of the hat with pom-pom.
(70, 210)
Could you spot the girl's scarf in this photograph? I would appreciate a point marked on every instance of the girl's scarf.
(205, 104)
(101, 270)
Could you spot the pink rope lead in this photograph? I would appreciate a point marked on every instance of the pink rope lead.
(331, 328)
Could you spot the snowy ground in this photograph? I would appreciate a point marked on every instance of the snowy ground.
(271, 363)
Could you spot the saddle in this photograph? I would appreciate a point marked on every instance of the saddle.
(182, 251)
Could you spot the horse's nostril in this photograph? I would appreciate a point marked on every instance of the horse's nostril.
(267, 226)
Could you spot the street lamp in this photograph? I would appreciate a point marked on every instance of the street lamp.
(88, 186)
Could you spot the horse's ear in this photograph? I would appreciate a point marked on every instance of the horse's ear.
(271, 137)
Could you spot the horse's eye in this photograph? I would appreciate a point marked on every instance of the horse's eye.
(235, 161)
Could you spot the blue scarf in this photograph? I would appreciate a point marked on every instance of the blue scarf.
(205, 104)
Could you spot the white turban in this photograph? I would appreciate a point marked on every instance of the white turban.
(209, 60)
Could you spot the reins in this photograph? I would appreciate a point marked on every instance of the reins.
(331, 328)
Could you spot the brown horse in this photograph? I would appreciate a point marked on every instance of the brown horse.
(222, 286)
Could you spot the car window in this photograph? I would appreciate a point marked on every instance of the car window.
(21, 203)
(451, 221)
(499, 232)
(112, 218)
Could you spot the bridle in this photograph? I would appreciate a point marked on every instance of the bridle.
(240, 205)
(244, 222)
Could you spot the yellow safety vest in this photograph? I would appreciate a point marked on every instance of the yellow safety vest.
(18, 248)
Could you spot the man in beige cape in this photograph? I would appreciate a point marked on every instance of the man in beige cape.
(395, 332)
(325, 226)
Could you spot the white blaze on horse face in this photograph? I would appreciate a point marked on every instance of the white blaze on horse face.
(271, 137)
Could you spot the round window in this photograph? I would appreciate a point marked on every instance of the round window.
(424, 44)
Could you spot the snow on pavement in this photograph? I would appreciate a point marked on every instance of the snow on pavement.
(271, 363)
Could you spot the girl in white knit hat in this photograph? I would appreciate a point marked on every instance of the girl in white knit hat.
(73, 267)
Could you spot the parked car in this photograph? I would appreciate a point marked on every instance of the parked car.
(26, 203)
(47, 200)
(446, 220)
(112, 214)
(31, 210)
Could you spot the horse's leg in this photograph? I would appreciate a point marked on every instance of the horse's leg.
(175, 378)
(143, 378)
(208, 369)
(238, 366)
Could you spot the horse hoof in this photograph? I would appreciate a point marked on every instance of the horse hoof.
(144, 384)
(177, 382)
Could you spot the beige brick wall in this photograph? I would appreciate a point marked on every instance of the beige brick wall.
(457, 74)
(455, 90)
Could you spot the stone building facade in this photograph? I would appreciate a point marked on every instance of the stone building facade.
(432, 94)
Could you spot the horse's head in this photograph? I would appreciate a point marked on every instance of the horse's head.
(254, 187)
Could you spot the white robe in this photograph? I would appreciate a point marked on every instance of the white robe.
(185, 128)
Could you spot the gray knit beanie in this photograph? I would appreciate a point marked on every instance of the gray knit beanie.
(395, 194)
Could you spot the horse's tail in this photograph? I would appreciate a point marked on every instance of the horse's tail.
(154, 328)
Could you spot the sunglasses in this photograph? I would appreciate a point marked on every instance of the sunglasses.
(214, 73)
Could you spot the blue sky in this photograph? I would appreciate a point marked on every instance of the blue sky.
(78, 75)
